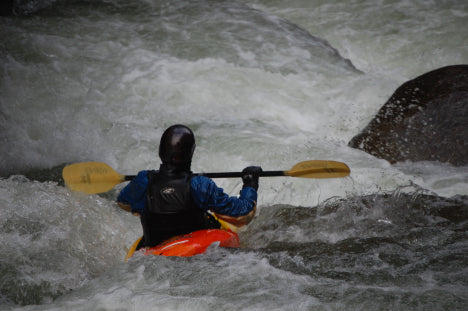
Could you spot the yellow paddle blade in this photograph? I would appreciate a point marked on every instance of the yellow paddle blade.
(319, 169)
(91, 177)
(132, 249)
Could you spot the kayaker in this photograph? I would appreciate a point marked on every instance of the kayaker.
(172, 201)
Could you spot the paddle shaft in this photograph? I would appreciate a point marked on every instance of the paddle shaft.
(228, 174)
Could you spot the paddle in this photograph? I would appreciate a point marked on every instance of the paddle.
(98, 177)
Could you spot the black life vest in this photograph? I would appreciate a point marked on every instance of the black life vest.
(170, 209)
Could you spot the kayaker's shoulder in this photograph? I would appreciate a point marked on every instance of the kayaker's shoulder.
(142, 176)
(200, 180)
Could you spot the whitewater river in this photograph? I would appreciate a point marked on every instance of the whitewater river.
(268, 83)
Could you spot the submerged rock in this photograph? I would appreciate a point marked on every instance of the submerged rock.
(53, 174)
(424, 120)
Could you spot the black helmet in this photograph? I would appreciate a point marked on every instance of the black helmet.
(177, 145)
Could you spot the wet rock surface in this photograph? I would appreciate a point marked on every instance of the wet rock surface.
(424, 120)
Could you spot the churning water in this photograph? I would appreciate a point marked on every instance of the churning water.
(268, 83)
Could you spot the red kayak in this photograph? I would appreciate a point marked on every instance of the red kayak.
(190, 244)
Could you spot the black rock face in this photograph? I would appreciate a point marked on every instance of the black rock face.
(426, 119)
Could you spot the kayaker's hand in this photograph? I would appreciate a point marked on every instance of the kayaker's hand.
(250, 176)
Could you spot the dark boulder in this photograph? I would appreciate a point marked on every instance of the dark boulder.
(6, 7)
(426, 119)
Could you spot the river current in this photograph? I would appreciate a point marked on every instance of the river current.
(264, 82)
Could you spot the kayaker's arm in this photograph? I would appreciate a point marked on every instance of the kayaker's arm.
(208, 196)
(232, 209)
(132, 198)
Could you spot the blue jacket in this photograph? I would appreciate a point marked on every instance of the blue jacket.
(204, 191)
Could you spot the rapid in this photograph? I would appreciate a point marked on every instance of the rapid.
(263, 82)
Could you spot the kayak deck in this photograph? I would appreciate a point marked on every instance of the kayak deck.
(190, 244)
